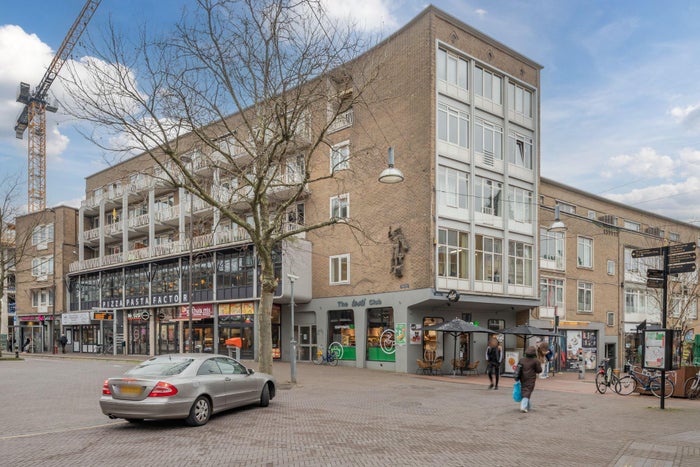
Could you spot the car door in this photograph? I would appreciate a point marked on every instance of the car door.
(241, 387)
(213, 382)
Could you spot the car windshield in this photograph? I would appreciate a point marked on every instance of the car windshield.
(161, 367)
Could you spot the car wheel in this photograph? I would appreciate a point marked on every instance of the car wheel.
(134, 420)
(200, 412)
(265, 396)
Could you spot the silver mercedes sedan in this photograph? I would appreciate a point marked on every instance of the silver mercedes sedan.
(184, 386)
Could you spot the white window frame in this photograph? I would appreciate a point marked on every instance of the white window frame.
(42, 266)
(611, 267)
(520, 263)
(488, 197)
(42, 234)
(453, 245)
(458, 74)
(42, 298)
(520, 150)
(340, 156)
(610, 318)
(584, 252)
(484, 257)
(552, 249)
(551, 296)
(452, 125)
(520, 100)
(340, 206)
(631, 225)
(453, 188)
(488, 85)
(520, 204)
(487, 133)
(339, 269)
(585, 288)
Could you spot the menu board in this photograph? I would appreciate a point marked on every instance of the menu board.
(655, 349)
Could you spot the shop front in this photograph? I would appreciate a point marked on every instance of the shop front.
(202, 327)
(36, 328)
(341, 325)
(238, 320)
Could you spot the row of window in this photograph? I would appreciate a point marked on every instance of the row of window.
(454, 70)
(453, 128)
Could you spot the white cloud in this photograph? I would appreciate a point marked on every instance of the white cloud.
(646, 163)
(481, 13)
(372, 15)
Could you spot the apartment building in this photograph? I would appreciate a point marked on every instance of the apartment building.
(456, 239)
(595, 287)
(9, 290)
(40, 276)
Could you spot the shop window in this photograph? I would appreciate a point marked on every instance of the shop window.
(341, 324)
(380, 334)
(432, 340)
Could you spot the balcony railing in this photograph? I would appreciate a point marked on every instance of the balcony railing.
(343, 120)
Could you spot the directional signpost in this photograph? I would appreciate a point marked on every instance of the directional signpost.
(676, 259)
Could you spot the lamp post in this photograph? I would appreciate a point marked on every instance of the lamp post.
(187, 160)
(558, 227)
(391, 174)
(293, 342)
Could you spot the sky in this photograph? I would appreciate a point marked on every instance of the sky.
(620, 100)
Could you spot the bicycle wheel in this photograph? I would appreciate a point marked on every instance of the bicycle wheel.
(319, 357)
(692, 389)
(336, 349)
(655, 387)
(600, 383)
(625, 385)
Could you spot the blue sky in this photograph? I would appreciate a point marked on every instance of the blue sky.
(620, 103)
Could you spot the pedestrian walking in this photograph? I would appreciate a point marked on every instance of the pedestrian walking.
(25, 347)
(63, 341)
(531, 367)
(494, 357)
(544, 355)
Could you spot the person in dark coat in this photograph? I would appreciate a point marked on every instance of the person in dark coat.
(494, 357)
(531, 367)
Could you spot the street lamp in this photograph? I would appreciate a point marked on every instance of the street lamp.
(391, 174)
(557, 225)
(187, 160)
(293, 342)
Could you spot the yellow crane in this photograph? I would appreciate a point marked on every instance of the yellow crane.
(33, 116)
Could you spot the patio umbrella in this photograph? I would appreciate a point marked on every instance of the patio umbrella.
(525, 331)
(455, 327)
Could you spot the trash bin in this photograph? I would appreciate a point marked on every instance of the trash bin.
(234, 343)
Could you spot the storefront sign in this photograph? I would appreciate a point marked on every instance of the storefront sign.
(199, 311)
(166, 299)
(241, 308)
(35, 317)
(136, 301)
(112, 303)
(70, 319)
(416, 334)
(400, 333)
(360, 303)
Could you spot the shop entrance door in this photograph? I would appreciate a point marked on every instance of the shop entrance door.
(167, 338)
(306, 337)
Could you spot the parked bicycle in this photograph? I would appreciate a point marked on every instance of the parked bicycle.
(332, 355)
(606, 377)
(647, 380)
(692, 387)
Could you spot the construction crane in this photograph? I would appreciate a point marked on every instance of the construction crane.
(33, 115)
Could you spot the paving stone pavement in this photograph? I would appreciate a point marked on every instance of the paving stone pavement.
(344, 416)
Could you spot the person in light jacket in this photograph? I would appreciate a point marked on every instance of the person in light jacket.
(531, 367)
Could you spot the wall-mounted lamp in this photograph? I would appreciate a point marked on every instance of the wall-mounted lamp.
(557, 225)
(391, 174)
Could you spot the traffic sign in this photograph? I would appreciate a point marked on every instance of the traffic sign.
(681, 267)
(655, 283)
(682, 258)
(647, 252)
(682, 248)
(655, 274)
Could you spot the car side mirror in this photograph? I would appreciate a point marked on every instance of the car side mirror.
(251, 371)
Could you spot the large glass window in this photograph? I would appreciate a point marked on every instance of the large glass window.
(488, 139)
(452, 188)
(453, 125)
(585, 297)
(552, 249)
(112, 287)
(452, 69)
(519, 204)
(42, 234)
(584, 252)
(489, 258)
(380, 334)
(235, 272)
(42, 298)
(487, 85)
(487, 197)
(342, 330)
(520, 150)
(42, 266)
(136, 282)
(551, 297)
(520, 100)
(453, 253)
(519, 263)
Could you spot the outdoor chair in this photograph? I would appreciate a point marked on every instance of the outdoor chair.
(423, 366)
(437, 366)
(473, 367)
(459, 364)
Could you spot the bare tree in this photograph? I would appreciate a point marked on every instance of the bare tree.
(248, 88)
(13, 244)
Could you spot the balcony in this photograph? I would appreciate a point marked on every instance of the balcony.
(342, 121)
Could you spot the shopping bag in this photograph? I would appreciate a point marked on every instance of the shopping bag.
(517, 392)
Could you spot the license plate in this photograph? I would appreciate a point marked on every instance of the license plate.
(130, 389)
